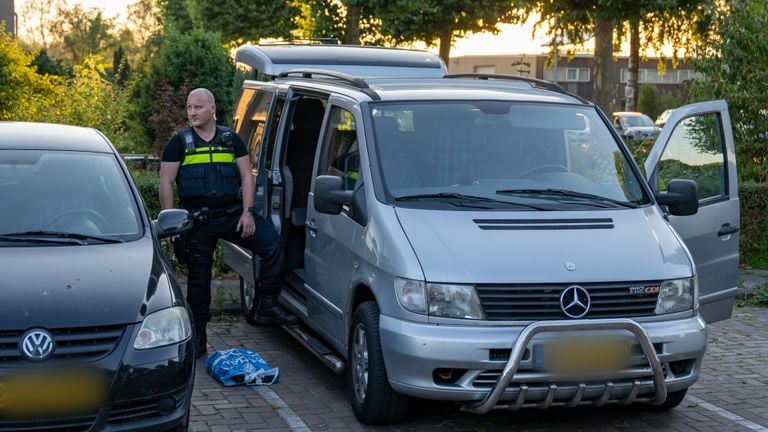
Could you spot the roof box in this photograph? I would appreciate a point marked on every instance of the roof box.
(265, 62)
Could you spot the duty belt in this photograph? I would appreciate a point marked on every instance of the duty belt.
(201, 214)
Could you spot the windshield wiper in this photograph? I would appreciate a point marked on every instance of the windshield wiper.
(444, 195)
(56, 237)
(559, 193)
(461, 200)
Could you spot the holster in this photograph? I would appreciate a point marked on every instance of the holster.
(181, 249)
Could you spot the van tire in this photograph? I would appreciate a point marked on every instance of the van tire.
(247, 305)
(373, 399)
(674, 399)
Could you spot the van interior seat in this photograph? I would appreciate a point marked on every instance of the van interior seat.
(299, 159)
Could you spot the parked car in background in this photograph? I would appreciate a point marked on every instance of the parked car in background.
(635, 125)
(661, 120)
(94, 331)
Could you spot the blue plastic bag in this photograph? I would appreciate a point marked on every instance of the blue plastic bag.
(240, 366)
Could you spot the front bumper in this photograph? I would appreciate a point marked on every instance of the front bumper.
(148, 390)
(494, 367)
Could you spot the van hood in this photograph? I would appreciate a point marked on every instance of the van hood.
(544, 247)
(73, 286)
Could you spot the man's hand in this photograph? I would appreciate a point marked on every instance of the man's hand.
(246, 224)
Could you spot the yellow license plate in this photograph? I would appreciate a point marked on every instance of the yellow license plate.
(28, 394)
(582, 356)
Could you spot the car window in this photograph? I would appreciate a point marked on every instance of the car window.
(340, 152)
(73, 192)
(695, 151)
(486, 148)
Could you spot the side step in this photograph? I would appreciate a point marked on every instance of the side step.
(317, 347)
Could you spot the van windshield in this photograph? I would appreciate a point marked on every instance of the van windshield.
(527, 155)
(65, 197)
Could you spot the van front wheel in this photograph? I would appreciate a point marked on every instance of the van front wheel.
(373, 400)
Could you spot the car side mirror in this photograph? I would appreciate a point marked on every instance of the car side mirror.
(172, 222)
(681, 197)
(330, 195)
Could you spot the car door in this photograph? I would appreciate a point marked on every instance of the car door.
(329, 255)
(697, 143)
(257, 115)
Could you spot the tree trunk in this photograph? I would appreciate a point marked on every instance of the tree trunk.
(633, 66)
(352, 31)
(446, 39)
(604, 89)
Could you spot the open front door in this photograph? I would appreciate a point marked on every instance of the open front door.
(697, 144)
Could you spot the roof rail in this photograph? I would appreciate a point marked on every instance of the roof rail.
(350, 80)
(535, 82)
(307, 41)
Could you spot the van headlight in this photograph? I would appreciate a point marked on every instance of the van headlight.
(676, 295)
(436, 299)
(164, 327)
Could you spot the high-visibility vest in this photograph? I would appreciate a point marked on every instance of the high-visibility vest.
(210, 171)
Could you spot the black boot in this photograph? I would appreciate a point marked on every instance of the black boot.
(269, 311)
(201, 338)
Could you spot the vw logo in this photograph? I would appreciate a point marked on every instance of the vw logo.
(574, 301)
(37, 344)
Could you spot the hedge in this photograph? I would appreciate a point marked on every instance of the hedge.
(754, 221)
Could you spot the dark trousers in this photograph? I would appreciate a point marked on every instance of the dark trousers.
(265, 243)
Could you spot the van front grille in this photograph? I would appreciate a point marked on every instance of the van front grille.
(522, 302)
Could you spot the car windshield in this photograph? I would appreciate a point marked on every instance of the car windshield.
(65, 197)
(520, 155)
(637, 120)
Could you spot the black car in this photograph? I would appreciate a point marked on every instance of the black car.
(94, 331)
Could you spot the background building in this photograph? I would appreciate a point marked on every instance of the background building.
(576, 73)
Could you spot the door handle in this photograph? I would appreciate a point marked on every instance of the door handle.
(311, 225)
(727, 229)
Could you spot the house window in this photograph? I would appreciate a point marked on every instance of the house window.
(568, 74)
(485, 69)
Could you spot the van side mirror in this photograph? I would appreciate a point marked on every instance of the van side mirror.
(330, 195)
(681, 197)
(172, 222)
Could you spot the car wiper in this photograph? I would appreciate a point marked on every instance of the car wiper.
(462, 200)
(559, 193)
(56, 237)
(445, 195)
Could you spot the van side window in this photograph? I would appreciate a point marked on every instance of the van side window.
(340, 153)
(250, 119)
(695, 151)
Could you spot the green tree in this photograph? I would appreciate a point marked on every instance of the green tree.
(440, 21)
(81, 33)
(185, 61)
(678, 22)
(733, 60)
(24, 94)
(175, 14)
(321, 19)
(239, 21)
(648, 100)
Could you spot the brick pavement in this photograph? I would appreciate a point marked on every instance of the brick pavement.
(311, 397)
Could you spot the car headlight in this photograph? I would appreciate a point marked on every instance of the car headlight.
(436, 299)
(164, 327)
(676, 295)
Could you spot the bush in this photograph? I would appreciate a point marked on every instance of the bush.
(185, 61)
(754, 220)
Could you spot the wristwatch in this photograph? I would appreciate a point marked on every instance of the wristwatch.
(251, 210)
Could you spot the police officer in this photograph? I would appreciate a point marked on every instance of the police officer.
(209, 164)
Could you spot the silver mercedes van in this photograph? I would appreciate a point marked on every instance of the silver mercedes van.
(489, 239)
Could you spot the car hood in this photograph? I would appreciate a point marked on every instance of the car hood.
(475, 247)
(71, 286)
